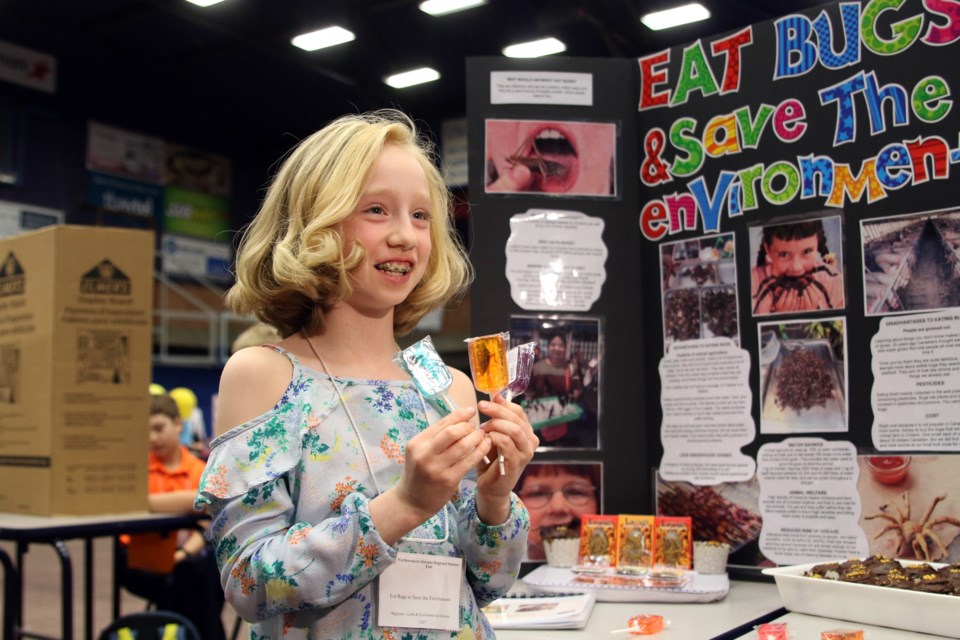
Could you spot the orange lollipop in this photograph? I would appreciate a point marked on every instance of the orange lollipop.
(488, 363)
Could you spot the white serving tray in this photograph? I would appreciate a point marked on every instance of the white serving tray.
(700, 588)
(881, 606)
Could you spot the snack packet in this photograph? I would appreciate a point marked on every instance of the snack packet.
(673, 542)
(598, 541)
(634, 543)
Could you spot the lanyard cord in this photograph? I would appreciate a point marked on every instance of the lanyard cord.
(363, 448)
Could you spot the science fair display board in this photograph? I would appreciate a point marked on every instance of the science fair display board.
(747, 246)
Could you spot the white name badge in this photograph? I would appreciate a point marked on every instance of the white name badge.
(420, 591)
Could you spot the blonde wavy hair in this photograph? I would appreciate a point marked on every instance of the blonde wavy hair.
(291, 265)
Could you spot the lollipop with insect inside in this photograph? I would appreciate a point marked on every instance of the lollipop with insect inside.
(489, 369)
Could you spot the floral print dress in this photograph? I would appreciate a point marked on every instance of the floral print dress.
(289, 493)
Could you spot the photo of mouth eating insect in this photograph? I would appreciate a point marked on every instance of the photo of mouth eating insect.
(559, 158)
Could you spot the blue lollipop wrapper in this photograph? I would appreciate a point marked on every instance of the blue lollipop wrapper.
(428, 372)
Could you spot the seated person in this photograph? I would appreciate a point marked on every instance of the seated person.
(176, 571)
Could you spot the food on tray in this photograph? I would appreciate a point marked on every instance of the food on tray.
(918, 538)
(720, 311)
(701, 273)
(714, 517)
(884, 572)
(681, 314)
(551, 410)
(803, 381)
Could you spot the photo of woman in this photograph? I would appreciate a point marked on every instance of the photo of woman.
(563, 398)
(558, 494)
(798, 267)
(553, 158)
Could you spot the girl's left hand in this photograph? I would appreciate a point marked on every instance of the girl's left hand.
(513, 438)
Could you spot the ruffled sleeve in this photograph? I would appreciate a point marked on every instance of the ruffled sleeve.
(255, 453)
(271, 560)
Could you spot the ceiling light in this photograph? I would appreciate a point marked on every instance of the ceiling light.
(535, 48)
(443, 7)
(412, 77)
(675, 17)
(204, 3)
(322, 38)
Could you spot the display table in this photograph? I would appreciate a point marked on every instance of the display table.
(745, 604)
(801, 625)
(25, 530)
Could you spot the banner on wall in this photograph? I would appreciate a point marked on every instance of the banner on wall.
(17, 217)
(124, 153)
(191, 213)
(184, 256)
(832, 108)
(28, 67)
(196, 170)
(126, 196)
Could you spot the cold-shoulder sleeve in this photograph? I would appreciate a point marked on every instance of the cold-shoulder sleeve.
(275, 558)
(492, 553)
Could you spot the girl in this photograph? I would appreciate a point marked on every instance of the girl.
(338, 482)
(795, 270)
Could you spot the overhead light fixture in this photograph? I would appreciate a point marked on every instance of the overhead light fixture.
(694, 12)
(443, 7)
(204, 3)
(535, 48)
(322, 38)
(412, 77)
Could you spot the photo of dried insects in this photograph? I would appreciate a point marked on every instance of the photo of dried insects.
(726, 512)
(699, 279)
(802, 376)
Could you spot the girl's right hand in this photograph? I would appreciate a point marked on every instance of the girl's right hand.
(437, 458)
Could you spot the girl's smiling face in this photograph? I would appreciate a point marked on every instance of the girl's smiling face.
(392, 224)
(793, 258)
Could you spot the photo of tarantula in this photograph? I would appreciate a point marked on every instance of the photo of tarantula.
(778, 286)
(798, 266)
(918, 537)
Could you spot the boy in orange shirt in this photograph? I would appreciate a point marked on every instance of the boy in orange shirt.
(176, 571)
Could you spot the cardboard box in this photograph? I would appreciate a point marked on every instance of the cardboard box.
(76, 308)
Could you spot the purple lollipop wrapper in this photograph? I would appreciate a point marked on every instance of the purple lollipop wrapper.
(520, 361)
